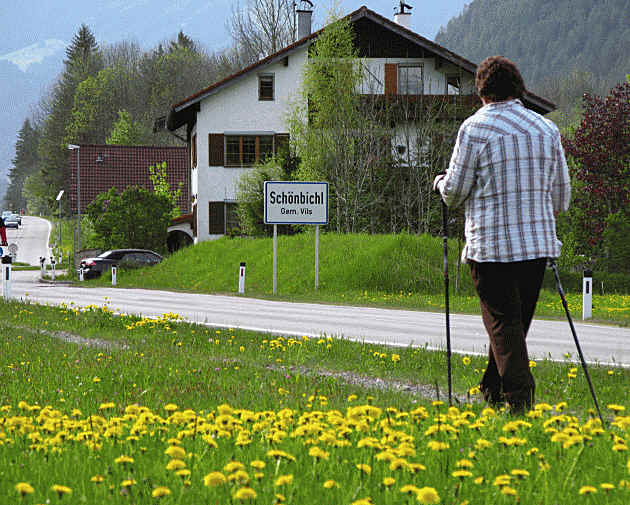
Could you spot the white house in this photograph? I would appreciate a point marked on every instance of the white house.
(235, 122)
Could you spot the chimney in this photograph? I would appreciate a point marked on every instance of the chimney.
(304, 13)
(403, 18)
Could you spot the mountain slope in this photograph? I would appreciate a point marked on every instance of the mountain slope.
(546, 38)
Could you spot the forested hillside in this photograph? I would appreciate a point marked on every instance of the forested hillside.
(548, 40)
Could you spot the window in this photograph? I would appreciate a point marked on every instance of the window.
(247, 150)
(265, 87)
(410, 80)
(453, 84)
(222, 217)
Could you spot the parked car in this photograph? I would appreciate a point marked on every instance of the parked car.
(133, 258)
(11, 221)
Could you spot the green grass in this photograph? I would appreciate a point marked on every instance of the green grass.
(83, 387)
(395, 271)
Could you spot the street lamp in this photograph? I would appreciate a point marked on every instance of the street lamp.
(72, 147)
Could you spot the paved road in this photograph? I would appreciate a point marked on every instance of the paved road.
(395, 327)
(31, 238)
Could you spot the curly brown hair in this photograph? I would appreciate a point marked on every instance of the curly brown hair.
(497, 79)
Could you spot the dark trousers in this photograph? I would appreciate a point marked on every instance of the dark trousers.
(508, 293)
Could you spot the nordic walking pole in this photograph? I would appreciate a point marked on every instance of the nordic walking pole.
(577, 343)
(446, 305)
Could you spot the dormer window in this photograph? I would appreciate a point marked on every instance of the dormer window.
(265, 87)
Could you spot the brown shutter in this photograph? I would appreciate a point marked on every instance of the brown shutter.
(216, 150)
(194, 213)
(391, 79)
(216, 218)
(281, 143)
(194, 151)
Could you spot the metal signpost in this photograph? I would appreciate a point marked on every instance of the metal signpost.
(295, 203)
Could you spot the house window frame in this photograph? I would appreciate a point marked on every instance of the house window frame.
(449, 76)
(229, 218)
(262, 77)
(243, 138)
(402, 84)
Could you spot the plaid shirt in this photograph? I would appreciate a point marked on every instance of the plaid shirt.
(508, 168)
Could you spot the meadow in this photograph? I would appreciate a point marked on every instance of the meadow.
(97, 407)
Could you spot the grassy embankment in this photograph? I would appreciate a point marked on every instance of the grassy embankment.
(396, 271)
(126, 410)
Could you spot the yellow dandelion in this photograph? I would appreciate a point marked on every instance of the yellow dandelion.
(97, 479)
(588, 490)
(175, 452)
(428, 495)
(257, 464)
(214, 479)
(160, 492)
(122, 460)
(519, 473)
(388, 481)
(128, 483)
(466, 360)
(24, 488)
(461, 474)
(61, 490)
(367, 469)
(245, 494)
(175, 464)
(283, 480)
(329, 484)
(508, 491)
(233, 466)
(607, 486)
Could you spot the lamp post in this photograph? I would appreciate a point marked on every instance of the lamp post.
(72, 147)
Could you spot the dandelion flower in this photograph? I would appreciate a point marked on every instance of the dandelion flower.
(175, 452)
(160, 492)
(244, 494)
(257, 464)
(466, 360)
(24, 488)
(121, 460)
(607, 486)
(61, 490)
(388, 481)
(128, 483)
(283, 480)
(367, 469)
(233, 466)
(588, 490)
(410, 488)
(461, 474)
(330, 484)
(214, 479)
(428, 495)
(508, 491)
(175, 464)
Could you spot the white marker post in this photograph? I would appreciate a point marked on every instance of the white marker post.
(295, 203)
(52, 269)
(241, 278)
(81, 274)
(42, 266)
(587, 295)
(6, 277)
(114, 273)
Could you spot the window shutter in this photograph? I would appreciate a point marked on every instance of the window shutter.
(216, 218)
(194, 223)
(391, 79)
(194, 151)
(215, 150)
(281, 143)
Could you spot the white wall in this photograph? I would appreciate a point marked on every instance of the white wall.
(237, 108)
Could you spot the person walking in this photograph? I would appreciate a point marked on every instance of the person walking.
(509, 170)
(3, 233)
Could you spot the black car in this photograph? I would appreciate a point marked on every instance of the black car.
(132, 258)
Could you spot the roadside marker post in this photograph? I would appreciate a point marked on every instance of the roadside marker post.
(42, 266)
(114, 274)
(52, 269)
(81, 274)
(241, 278)
(295, 203)
(6, 277)
(587, 295)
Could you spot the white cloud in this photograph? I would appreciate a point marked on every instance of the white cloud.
(34, 53)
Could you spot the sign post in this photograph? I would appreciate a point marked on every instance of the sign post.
(295, 203)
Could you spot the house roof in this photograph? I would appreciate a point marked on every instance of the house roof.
(184, 112)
